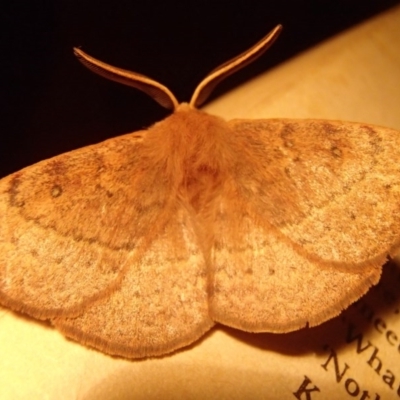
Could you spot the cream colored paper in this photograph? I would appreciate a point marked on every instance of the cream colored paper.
(355, 76)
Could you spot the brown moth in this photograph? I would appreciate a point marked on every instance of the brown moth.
(138, 245)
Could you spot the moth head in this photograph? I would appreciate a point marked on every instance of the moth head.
(162, 94)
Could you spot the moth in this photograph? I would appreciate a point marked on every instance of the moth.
(138, 245)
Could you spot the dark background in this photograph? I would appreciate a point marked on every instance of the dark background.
(51, 104)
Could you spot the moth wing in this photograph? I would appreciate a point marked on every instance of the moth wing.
(305, 223)
(69, 226)
(161, 304)
(333, 188)
(262, 284)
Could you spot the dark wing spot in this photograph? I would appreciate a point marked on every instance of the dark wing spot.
(56, 191)
(336, 152)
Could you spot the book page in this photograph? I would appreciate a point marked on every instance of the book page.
(354, 76)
